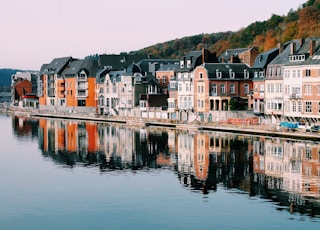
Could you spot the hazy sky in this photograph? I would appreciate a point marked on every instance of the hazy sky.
(33, 32)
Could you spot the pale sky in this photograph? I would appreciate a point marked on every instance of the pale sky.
(33, 32)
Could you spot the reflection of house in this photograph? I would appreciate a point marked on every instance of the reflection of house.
(201, 156)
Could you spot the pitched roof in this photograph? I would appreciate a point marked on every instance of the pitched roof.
(57, 65)
(283, 57)
(152, 65)
(90, 66)
(226, 55)
(121, 61)
(225, 68)
(263, 59)
(168, 67)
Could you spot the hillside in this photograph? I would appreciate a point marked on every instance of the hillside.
(5, 79)
(301, 23)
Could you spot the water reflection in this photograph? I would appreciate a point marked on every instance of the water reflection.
(283, 171)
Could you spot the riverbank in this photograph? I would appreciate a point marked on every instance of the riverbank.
(255, 130)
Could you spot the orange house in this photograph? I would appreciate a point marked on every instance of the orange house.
(50, 78)
(79, 85)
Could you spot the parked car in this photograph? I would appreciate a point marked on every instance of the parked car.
(315, 128)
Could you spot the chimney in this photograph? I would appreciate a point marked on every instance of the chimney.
(203, 58)
(302, 40)
(292, 47)
(312, 47)
(280, 47)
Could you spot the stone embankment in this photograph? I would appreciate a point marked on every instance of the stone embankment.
(246, 129)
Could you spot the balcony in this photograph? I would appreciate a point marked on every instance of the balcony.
(295, 96)
(82, 93)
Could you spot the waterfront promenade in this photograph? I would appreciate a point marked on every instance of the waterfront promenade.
(252, 130)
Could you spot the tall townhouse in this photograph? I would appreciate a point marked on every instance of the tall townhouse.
(167, 83)
(274, 105)
(301, 83)
(107, 88)
(50, 75)
(139, 79)
(76, 88)
(184, 78)
(221, 87)
(259, 70)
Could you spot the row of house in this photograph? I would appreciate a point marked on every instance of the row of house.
(280, 84)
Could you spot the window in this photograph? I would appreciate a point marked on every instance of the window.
(223, 89)
(81, 102)
(246, 88)
(181, 64)
(218, 74)
(246, 74)
(213, 89)
(287, 89)
(308, 89)
(200, 75)
(278, 72)
(298, 73)
(232, 88)
(294, 106)
(308, 106)
(231, 73)
(299, 106)
(188, 63)
(308, 72)
(319, 109)
(293, 73)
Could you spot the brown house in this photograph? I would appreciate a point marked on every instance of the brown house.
(222, 86)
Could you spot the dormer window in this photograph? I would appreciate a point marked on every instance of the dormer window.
(218, 74)
(189, 63)
(296, 58)
(246, 74)
(181, 64)
(231, 73)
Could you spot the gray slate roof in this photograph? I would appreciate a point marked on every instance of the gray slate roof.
(224, 68)
(57, 65)
(283, 57)
(263, 59)
(90, 66)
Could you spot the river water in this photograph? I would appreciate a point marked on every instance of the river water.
(67, 174)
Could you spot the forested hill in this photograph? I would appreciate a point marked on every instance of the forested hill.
(300, 23)
(5, 78)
